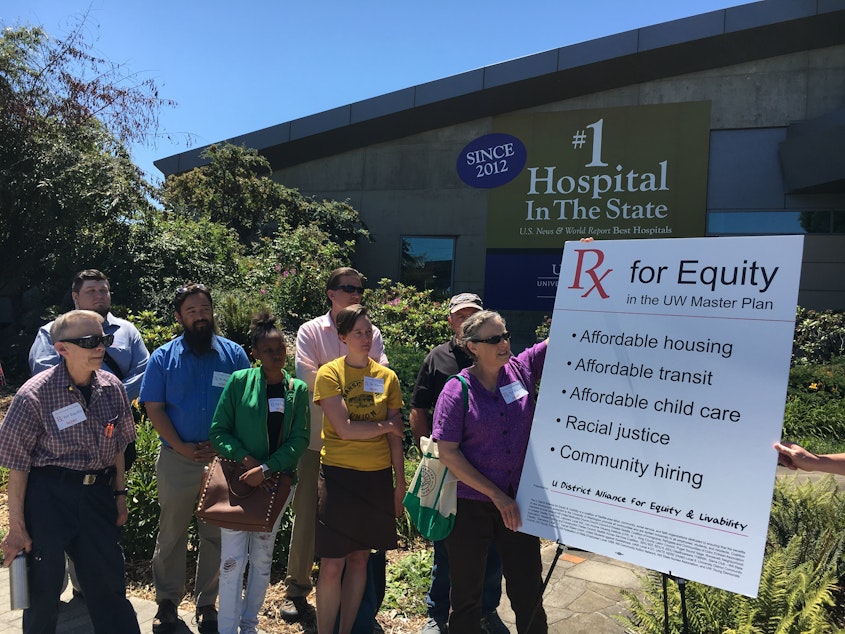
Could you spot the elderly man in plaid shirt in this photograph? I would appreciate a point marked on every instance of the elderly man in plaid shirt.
(63, 440)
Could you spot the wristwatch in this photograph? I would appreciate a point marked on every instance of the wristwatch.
(265, 470)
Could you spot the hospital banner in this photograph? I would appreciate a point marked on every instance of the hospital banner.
(611, 173)
(662, 394)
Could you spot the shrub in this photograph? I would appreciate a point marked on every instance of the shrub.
(154, 331)
(803, 562)
(139, 532)
(804, 419)
(818, 336)
(407, 583)
(289, 273)
(407, 316)
(818, 382)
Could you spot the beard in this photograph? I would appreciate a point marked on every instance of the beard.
(199, 335)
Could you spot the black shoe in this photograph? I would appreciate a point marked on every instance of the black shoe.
(207, 619)
(294, 608)
(166, 618)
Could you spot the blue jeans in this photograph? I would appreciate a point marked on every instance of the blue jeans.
(437, 598)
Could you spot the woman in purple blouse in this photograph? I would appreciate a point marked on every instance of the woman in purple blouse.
(484, 444)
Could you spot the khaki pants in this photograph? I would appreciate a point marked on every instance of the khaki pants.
(179, 481)
(301, 551)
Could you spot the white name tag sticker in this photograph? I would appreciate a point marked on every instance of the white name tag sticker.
(69, 416)
(276, 405)
(513, 392)
(373, 385)
(219, 379)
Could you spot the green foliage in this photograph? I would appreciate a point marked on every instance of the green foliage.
(139, 532)
(236, 190)
(815, 511)
(290, 271)
(814, 404)
(803, 564)
(407, 583)
(821, 420)
(542, 331)
(818, 382)
(167, 251)
(67, 185)
(407, 316)
(154, 331)
(405, 361)
(233, 313)
(818, 336)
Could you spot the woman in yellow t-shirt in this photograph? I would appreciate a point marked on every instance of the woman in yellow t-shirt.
(362, 440)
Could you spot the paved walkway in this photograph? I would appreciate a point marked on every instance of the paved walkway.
(582, 597)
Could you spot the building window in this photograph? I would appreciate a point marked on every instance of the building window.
(722, 223)
(428, 263)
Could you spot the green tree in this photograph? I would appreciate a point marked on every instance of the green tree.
(67, 184)
(236, 189)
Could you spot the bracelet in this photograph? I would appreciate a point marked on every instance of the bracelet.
(121, 492)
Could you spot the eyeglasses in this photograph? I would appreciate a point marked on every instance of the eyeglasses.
(495, 339)
(91, 341)
(190, 288)
(348, 288)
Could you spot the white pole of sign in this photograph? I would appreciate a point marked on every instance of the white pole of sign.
(663, 391)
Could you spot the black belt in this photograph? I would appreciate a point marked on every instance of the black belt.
(103, 476)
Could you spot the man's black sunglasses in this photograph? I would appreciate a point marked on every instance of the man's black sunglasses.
(91, 341)
(494, 339)
(348, 288)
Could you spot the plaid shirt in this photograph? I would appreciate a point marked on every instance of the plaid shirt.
(30, 437)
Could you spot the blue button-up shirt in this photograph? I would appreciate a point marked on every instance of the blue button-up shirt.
(190, 385)
(128, 352)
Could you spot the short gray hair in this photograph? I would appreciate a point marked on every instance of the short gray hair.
(473, 325)
(64, 322)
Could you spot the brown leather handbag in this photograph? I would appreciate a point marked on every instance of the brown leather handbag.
(228, 502)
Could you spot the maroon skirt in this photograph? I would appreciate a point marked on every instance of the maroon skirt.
(354, 511)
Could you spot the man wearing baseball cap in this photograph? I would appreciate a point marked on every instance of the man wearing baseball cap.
(442, 362)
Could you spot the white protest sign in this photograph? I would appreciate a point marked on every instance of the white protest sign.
(662, 393)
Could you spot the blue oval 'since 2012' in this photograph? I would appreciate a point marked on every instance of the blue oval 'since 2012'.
(491, 160)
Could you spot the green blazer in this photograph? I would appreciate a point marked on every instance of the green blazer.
(239, 426)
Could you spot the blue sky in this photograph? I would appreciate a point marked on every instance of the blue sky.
(235, 67)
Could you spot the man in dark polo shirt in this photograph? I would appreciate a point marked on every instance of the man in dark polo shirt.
(442, 362)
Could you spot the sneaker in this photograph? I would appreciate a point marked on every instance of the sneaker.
(492, 624)
(206, 618)
(166, 618)
(294, 608)
(433, 627)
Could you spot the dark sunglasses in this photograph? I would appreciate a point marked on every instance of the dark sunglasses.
(495, 339)
(91, 341)
(190, 288)
(348, 288)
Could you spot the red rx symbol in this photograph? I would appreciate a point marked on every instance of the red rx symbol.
(590, 272)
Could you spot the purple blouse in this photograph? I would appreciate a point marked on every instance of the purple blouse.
(493, 434)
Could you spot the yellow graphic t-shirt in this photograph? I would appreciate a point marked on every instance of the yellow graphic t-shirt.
(368, 393)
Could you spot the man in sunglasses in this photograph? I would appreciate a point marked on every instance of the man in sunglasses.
(317, 343)
(63, 440)
(181, 388)
(442, 362)
(126, 355)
